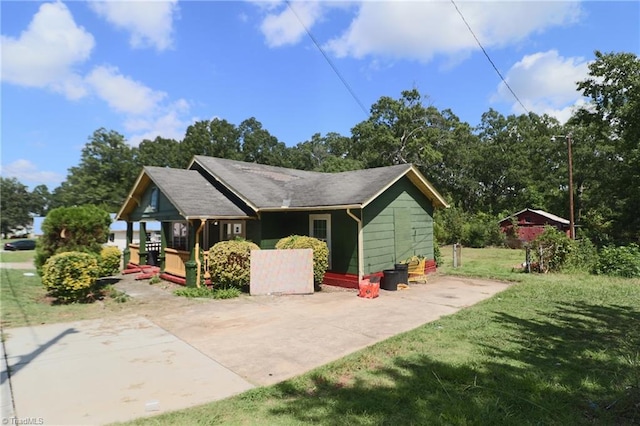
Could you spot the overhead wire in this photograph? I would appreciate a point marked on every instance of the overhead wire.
(335, 69)
(488, 57)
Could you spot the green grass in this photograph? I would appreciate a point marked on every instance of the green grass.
(24, 302)
(550, 350)
(17, 256)
(208, 293)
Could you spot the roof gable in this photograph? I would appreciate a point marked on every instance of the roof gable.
(186, 190)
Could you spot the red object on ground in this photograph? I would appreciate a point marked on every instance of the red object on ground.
(368, 289)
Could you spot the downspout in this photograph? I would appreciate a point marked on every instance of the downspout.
(360, 245)
(197, 250)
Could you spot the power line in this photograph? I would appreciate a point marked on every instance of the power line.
(329, 61)
(489, 58)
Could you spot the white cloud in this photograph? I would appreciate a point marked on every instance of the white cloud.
(545, 82)
(169, 123)
(47, 52)
(421, 29)
(27, 172)
(288, 25)
(149, 22)
(122, 93)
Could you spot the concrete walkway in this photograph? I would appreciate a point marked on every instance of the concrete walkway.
(114, 369)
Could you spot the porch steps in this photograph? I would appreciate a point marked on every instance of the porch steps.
(144, 272)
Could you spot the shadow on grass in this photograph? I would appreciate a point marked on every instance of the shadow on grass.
(579, 364)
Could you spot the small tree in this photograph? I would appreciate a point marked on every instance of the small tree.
(83, 229)
(552, 249)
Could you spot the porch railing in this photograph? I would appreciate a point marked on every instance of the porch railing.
(134, 251)
(174, 260)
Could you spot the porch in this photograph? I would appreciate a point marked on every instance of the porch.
(172, 262)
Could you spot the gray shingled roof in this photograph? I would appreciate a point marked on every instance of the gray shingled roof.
(266, 187)
(191, 194)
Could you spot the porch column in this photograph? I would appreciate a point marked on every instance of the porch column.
(163, 245)
(143, 243)
(191, 265)
(126, 254)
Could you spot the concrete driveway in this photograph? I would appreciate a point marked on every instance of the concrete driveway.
(115, 369)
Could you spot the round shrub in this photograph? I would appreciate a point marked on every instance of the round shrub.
(70, 276)
(110, 261)
(320, 252)
(229, 263)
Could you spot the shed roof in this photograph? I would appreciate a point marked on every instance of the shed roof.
(265, 187)
(543, 213)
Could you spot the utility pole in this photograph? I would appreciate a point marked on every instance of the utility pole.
(572, 227)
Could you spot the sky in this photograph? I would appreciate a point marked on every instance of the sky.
(152, 68)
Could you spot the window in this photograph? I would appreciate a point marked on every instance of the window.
(153, 201)
(179, 237)
(320, 228)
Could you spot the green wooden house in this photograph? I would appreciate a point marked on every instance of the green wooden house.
(369, 218)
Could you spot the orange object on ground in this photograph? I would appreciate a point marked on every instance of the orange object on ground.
(368, 289)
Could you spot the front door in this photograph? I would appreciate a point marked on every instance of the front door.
(320, 228)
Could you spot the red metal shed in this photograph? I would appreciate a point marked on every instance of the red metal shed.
(530, 224)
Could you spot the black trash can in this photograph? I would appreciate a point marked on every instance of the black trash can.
(403, 270)
(390, 280)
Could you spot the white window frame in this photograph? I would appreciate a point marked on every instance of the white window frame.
(327, 218)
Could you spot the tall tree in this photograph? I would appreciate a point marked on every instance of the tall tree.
(160, 152)
(215, 138)
(40, 200)
(612, 132)
(327, 154)
(15, 205)
(398, 131)
(259, 146)
(105, 175)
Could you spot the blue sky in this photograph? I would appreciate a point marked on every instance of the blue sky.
(148, 69)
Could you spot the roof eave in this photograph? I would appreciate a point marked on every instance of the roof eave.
(310, 208)
(420, 182)
(125, 210)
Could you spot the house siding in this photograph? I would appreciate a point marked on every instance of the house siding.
(398, 224)
(344, 233)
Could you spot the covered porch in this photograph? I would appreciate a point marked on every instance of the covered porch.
(193, 216)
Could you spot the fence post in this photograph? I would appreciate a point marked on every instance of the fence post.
(457, 255)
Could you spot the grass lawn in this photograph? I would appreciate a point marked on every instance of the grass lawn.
(17, 256)
(24, 302)
(552, 349)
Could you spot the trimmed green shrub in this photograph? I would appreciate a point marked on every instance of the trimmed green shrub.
(110, 260)
(229, 263)
(70, 276)
(320, 252)
(81, 228)
(551, 249)
(621, 261)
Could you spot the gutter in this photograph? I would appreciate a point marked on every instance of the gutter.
(360, 245)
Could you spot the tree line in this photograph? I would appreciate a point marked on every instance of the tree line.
(500, 166)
